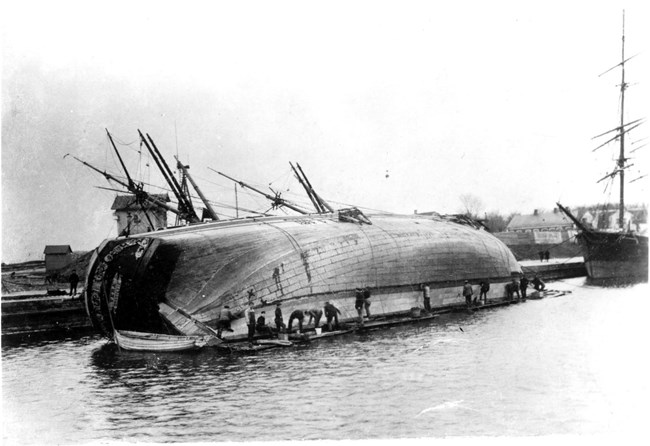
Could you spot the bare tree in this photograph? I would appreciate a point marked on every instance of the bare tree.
(472, 205)
(497, 222)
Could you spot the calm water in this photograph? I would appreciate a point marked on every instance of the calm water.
(568, 365)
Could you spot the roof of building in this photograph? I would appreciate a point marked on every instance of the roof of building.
(539, 220)
(128, 202)
(57, 249)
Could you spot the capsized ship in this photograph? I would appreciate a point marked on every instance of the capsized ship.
(179, 279)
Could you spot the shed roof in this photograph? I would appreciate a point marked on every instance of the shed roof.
(128, 202)
(539, 220)
(57, 249)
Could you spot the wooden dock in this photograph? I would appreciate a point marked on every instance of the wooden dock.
(554, 269)
(37, 313)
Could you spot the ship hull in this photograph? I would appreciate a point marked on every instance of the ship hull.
(615, 257)
(179, 279)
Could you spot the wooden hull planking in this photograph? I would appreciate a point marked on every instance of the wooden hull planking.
(298, 261)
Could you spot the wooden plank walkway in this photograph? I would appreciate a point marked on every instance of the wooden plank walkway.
(352, 326)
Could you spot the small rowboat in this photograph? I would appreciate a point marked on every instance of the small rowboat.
(156, 342)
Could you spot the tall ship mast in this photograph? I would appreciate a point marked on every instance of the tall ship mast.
(621, 158)
(615, 256)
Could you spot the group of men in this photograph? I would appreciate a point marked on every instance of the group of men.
(361, 303)
(259, 325)
(468, 292)
(518, 287)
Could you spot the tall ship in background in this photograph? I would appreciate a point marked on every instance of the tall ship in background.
(620, 255)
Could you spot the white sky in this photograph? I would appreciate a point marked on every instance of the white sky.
(496, 99)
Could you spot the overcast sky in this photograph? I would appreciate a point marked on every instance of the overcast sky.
(397, 106)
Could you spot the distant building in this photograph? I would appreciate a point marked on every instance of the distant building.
(57, 257)
(131, 216)
(528, 235)
(540, 221)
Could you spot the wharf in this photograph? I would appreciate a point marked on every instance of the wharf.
(554, 269)
(37, 312)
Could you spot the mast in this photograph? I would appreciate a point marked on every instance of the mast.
(126, 172)
(621, 158)
(186, 211)
(134, 189)
(185, 171)
(322, 202)
(307, 189)
(188, 204)
(276, 200)
(185, 191)
(131, 183)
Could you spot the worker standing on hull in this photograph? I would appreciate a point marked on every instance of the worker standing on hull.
(300, 316)
(426, 296)
(315, 314)
(523, 286)
(468, 292)
(485, 287)
(225, 316)
(250, 321)
(332, 313)
(366, 301)
(358, 303)
(538, 284)
(515, 287)
(512, 288)
(260, 325)
(279, 322)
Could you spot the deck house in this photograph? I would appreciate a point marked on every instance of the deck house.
(135, 218)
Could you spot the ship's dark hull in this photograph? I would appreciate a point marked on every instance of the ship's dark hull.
(189, 274)
(615, 257)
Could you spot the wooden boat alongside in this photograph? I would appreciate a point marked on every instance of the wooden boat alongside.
(155, 342)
